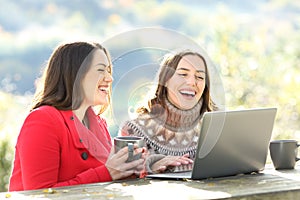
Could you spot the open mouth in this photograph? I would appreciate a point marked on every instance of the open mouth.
(188, 93)
(103, 89)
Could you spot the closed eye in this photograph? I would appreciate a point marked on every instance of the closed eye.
(182, 74)
(200, 77)
(105, 69)
(101, 67)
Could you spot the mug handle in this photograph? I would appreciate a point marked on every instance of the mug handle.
(130, 152)
(297, 158)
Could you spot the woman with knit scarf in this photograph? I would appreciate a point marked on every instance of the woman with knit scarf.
(171, 123)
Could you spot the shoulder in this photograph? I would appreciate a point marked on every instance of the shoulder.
(128, 128)
(134, 126)
(42, 122)
(44, 111)
(48, 114)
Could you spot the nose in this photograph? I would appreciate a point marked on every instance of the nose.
(191, 80)
(108, 77)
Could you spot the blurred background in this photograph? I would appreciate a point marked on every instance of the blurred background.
(254, 46)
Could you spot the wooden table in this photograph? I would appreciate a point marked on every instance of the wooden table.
(269, 184)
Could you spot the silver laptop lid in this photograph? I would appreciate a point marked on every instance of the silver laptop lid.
(233, 142)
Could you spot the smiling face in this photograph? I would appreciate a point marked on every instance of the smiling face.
(186, 86)
(97, 81)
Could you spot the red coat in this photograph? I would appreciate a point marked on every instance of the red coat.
(54, 149)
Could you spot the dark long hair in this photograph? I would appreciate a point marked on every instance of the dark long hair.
(60, 85)
(167, 70)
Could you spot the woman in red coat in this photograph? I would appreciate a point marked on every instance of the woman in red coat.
(63, 141)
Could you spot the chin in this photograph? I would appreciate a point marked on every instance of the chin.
(101, 103)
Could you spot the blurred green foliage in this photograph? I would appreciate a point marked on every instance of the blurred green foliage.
(254, 44)
(13, 109)
(260, 67)
(6, 158)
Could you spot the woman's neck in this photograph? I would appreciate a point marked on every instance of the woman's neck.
(80, 113)
(182, 119)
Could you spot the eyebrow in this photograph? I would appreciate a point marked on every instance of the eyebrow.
(185, 69)
(102, 64)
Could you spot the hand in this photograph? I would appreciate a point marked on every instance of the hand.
(119, 168)
(163, 164)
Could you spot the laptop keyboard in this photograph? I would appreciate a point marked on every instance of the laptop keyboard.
(180, 168)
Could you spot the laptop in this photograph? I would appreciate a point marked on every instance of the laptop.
(230, 143)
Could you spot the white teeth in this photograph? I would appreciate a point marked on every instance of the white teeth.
(188, 92)
(103, 89)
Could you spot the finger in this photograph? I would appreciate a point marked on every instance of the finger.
(128, 173)
(144, 155)
(186, 155)
(123, 151)
(160, 169)
(133, 164)
(137, 154)
(123, 167)
(121, 155)
(189, 160)
(135, 146)
(139, 168)
(138, 150)
(174, 161)
(184, 160)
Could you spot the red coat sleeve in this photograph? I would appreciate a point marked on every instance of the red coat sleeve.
(39, 153)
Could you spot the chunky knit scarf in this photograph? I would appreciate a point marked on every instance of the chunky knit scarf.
(172, 132)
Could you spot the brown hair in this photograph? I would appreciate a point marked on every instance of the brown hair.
(60, 85)
(167, 70)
